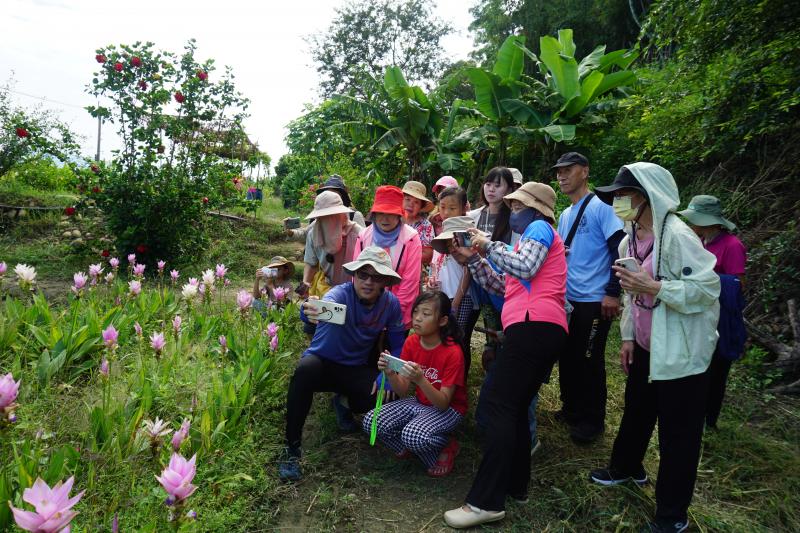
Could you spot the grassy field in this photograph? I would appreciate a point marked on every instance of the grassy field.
(749, 474)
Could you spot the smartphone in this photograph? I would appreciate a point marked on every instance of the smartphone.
(463, 238)
(628, 263)
(291, 223)
(270, 272)
(329, 311)
(395, 363)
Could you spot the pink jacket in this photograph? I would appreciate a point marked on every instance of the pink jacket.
(406, 257)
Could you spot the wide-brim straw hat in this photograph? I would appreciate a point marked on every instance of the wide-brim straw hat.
(328, 203)
(417, 190)
(279, 261)
(449, 227)
(706, 210)
(539, 196)
(378, 259)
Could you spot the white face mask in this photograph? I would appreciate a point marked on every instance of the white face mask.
(623, 209)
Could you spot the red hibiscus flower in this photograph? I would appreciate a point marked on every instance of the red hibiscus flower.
(205, 199)
(69, 211)
(22, 133)
(179, 97)
(118, 66)
(136, 61)
(202, 75)
(142, 248)
(95, 189)
(95, 169)
(142, 85)
(100, 58)
(105, 253)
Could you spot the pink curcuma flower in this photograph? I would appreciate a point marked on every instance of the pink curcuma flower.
(79, 280)
(181, 435)
(176, 324)
(177, 478)
(161, 265)
(3, 268)
(109, 278)
(132, 258)
(156, 430)
(53, 507)
(272, 329)
(174, 274)
(244, 300)
(110, 336)
(135, 287)
(280, 293)
(26, 276)
(95, 270)
(194, 281)
(114, 262)
(104, 368)
(223, 341)
(208, 278)
(157, 342)
(8, 390)
(138, 329)
(273, 343)
(221, 271)
(138, 270)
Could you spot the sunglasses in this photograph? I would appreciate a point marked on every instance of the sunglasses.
(376, 278)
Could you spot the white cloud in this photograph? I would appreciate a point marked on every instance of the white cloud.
(49, 46)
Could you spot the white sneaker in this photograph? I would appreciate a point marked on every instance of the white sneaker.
(459, 518)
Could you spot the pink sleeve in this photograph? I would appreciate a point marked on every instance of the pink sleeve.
(410, 270)
(735, 258)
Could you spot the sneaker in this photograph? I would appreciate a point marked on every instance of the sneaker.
(610, 476)
(459, 518)
(535, 447)
(662, 525)
(289, 467)
(344, 416)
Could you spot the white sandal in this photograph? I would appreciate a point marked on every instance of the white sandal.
(459, 518)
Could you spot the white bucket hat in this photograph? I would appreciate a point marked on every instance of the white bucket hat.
(378, 259)
(328, 203)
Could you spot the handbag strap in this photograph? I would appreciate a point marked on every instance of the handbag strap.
(575, 224)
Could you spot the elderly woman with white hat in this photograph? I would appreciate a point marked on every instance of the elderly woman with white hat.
(533, 281)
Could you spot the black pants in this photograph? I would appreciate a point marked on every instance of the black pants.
(529, 351)
(315, 374)
(582, 368)
(466, 341)
(717, 381)
(679, 406)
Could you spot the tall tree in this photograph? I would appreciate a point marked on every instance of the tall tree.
(367, 36)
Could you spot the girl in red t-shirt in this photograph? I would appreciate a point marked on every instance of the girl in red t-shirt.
(435, 364)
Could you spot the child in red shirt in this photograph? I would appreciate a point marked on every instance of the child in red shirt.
(435, 364)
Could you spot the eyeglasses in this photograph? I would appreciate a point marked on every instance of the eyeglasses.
(376, 278)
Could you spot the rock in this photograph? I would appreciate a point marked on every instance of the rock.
(77, 242)
(76, 233)
(22, 213)
(67, 234)
(64, 223)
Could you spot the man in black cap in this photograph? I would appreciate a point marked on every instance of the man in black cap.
(591, 233)
(336, 184)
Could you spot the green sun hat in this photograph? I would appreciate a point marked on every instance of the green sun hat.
(706, 210)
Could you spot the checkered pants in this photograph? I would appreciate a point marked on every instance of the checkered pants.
(464, 311)
(408, 425)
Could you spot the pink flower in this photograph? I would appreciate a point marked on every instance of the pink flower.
(194, 281)
(176, 324)
(95, 270)
(273, 343)
(79, 279)
(157, 342)
(110, 336)
(8, 390)
(3, 268)
(221, 271)
(114, 262)
(280, 293)
(181, 435)
(227, 282)
(138, 270)
(244, 300)
(272, 329)
(135, 287)
(109, 277)
(223, 342)
(174, 274)
(131, 258)
(104, 368)
(177, 477)
(161, 265)
(138, 329)
(52, 506)
(208, 277)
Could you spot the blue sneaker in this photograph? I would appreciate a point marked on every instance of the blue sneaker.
(344, 416)
(289, 467)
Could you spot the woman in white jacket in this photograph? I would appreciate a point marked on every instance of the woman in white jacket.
(669, 333)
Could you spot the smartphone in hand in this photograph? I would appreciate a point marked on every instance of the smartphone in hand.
(628, 263)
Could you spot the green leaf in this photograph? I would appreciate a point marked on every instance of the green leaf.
(614, 80)
(395, 83)
(510, 58)
(566, 42)
(487, 87)
(522, 112)
(560, 132)
(618, 58)
(588, 89)
(562, 69)
(592, 61)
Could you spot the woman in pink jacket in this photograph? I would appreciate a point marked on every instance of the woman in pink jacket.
(400, 240)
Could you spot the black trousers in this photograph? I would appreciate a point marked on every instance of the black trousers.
(582, 368)
(717, 381)
(466, 341)
(529, 351)
(679, 407)
(315, 374)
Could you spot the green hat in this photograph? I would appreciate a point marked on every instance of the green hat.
(705, 210)
(378, 259)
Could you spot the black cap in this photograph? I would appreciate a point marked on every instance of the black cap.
(624, 180)
(336, 183)
(571, 158)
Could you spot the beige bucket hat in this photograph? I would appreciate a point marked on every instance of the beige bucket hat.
(537, 195)
(449, 227)
(328, 203)
(378, 259)
(279, 261)
(417, 190)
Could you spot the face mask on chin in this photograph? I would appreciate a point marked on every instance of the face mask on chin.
(623, 209)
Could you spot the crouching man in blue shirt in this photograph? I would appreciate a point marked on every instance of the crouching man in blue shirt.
(338, 358)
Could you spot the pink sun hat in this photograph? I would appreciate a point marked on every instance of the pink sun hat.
(443, 183)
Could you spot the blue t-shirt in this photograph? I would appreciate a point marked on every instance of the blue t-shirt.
(351, 343)
(588, 259)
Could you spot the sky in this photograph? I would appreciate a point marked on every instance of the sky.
(48, 46)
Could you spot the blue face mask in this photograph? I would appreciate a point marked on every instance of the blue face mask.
(520, 220)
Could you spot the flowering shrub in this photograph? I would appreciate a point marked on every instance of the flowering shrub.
(169, 111)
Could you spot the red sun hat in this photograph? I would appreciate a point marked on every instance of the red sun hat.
(389, 200)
